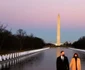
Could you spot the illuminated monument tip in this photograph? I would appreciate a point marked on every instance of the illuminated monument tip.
(58, 31)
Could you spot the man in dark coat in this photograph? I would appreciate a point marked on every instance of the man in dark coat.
(62, 62)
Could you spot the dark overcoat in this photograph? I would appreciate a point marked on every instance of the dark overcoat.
(62, 64)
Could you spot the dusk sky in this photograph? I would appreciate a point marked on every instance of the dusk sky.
(39, 17)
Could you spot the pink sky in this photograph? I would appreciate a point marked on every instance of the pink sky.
(43, 13)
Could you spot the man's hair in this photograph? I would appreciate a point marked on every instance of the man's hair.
(62, 51)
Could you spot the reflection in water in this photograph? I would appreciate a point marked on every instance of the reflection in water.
(58, 51)
(57, 54)
(31, 58)
(45, 60)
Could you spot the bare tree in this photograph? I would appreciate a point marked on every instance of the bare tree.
(20, 32)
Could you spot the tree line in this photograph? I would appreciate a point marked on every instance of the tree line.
(19, 41)
(80, 43)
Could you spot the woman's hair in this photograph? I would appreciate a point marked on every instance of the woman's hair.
(75, 54)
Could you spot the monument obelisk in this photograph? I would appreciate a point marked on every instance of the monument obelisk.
(58, 31)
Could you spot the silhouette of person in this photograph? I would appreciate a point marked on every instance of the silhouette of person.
(62, 62)
(75, 63)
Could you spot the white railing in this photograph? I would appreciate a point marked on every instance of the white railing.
(78, 49)
(17, 54)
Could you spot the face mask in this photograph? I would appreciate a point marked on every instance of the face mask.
(63, 55)
(75, 57)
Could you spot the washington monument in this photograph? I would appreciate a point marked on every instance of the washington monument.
(58, 31)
